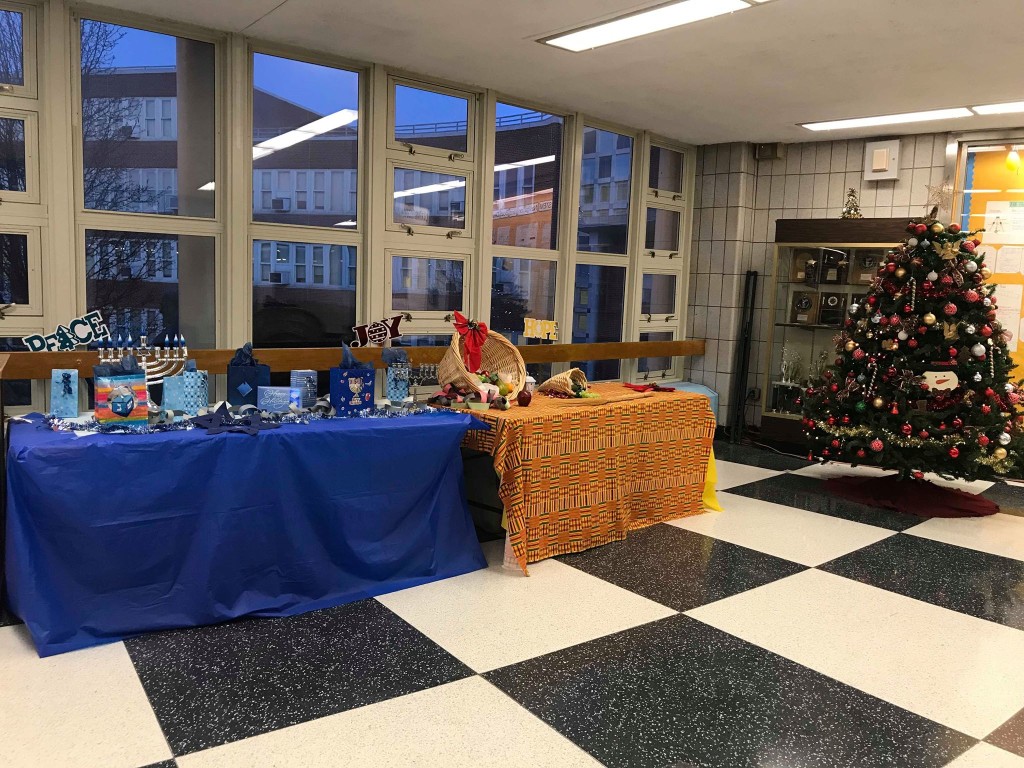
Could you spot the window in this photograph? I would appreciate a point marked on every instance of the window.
(427, 284)
(527, 171)
(305, 123)
(598, 311)
(12, 48)
(604, 228)
(16, 392)
(666, 174)
(417, 199)
(138, 89)
(306, 297)
(662, 230)
(14, 268)
(431, 119)
(118, 284)
(520, 289)
(651, 365)
(659, 295)
(13, 165)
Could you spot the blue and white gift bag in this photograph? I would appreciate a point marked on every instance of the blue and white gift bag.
(64, 393)
(305, 381)
(188, 392)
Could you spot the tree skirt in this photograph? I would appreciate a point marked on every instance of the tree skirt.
(911, 497)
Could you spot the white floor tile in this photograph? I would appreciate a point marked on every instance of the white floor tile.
(466, 723)
(986, 756)
(839, 469)
(955, 669)
(731, 474)
(498, 616)
(85, 708)
(804, 537)
(996, 534)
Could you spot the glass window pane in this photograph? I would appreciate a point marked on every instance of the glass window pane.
(14, 263)
(181, 298)
(418, 199)
(12, 48)
(12, 154)
(433, 285)
(134, 162)
(430, 119)
(659, 295)
(604, 221)
(15, 391)
(294, 305)
(521, 288)
(527, 168)
(598, 300)
(655, 364)
(662, 230)
(666, 170)
(304, 118)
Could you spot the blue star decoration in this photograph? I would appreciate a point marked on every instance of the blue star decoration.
(221, 420)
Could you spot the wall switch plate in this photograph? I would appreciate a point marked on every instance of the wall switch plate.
(882, 160)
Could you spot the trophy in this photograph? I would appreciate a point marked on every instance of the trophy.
(355, 385)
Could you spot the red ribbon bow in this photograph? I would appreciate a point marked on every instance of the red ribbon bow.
(473, 335)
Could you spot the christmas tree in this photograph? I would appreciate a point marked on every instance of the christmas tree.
(920, 380)
(851, 208)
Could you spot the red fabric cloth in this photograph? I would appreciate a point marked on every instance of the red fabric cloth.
(649, 388)
(473, 335)
(911, 497)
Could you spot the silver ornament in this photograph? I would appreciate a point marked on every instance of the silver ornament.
(924, 243)
(1004, 438)
(977, 377)
(876, 318)
(1008, 387)
(933, 276)
(854, 308)
(987, 302)
(861, 378)
(971, 266)
(903, 335)
(912, 242)
(969, 329)
(978, 350)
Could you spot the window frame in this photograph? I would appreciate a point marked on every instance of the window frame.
(468, 233)
(427, 322)
(668, 254)
(669, 196)
(411, 148)
(35, 232)
(30, 51)
(31, 195)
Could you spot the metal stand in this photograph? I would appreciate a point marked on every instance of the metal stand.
(741, 364)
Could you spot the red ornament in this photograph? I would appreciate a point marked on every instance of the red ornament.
(835, 443)
(872, 300)
(923, 434)
(950, 308)
(969, 246)
(920, 229)
(972, 295)
(976, 242)
(895, 410)
(953, 352)
(827, 374)
(883, 320)
(922, 329)
(918, 474)
(1013, 397)
(946, 280)
(907, 429)
(845, 419)
(824, 452)
(954, 452)
(983, 441)
(907, 309)
(986, 409)
(912, 343)
(890, 267)
(876, 445)
(957, 423)
(834, 387)
(860, 453)
(953, 229)
(942, 426)
(986, 331)
(810, 423)
(831, 420)
(989, 391)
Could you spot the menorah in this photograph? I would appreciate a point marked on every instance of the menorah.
(157, 362)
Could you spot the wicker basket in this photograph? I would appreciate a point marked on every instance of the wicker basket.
(498, 355)
(562, 382)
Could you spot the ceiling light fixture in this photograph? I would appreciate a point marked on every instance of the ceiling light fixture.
(207, 187)
(644, 23)
(525, 163)
(442, 186)
(906, 117)
(323, 125)
(1000, 109)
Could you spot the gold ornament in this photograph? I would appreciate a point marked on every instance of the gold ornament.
(851, 345)
(878, 402)
(947, 251)
(900, 273)
(986, 273)
(937, 228)
(999, 453)
(949, 330)
(928, 319)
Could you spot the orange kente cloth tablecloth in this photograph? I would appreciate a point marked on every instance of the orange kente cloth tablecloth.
(574, 474)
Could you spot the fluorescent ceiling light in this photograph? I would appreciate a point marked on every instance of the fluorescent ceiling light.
(645, 23)
(525, 163)
(906, 117)
(1000, 109)
(349, 223)
(304, 133)
(207, 187)
(439, 187)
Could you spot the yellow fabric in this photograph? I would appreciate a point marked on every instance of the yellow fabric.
(710, 480)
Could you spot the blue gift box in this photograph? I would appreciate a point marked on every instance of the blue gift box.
(305, 381)
(274, 399)
(64, 393)
(189, 391)
(352, 389)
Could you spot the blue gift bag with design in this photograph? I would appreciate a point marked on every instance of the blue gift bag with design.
(245, 376)
(64, 393)
(352, 384)
(188, 392)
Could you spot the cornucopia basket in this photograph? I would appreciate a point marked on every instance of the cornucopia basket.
(497, 355)
(562, 383)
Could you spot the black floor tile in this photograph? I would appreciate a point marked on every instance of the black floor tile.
(1010, 498)
(213, 685)
(679, 568)
(1010, 735)
(758, 457)
(678, 692)
(809, 493)
(965, 580)
(163, 764)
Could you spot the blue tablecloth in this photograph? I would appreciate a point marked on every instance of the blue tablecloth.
(112, 535)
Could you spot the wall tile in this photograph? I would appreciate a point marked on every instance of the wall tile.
(836, 191)
(838, 158)
(721, 190)
(762, 191)
(718, 229)
(791, 197)
(723, 158)
(820, 199)
(808, 153)
(884, 193)
(823, 157)
(923, 147)
(806, 194)
(919, 182)
(792, 159)
(907, 152)
(901, 188)
(855, 155)
(777, 195)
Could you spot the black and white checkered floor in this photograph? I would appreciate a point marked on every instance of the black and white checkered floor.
(793, 629)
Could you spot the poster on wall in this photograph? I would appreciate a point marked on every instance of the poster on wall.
(1004, 221)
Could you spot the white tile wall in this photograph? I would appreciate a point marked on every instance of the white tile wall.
(739, 200)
